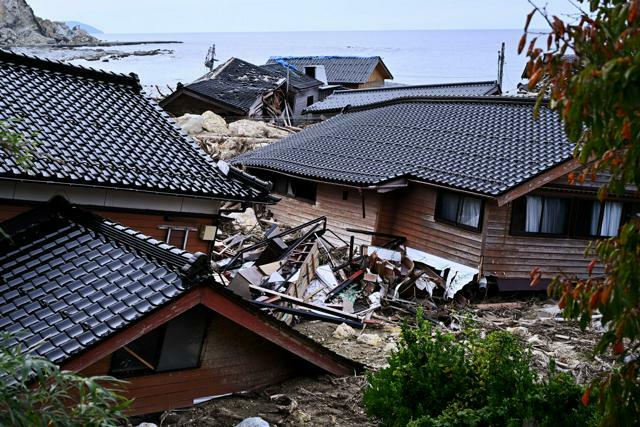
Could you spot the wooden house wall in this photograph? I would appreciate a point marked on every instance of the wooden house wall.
(301, 99)
(513, 257)
(233, 359)
(410, 212)
(143, 222)
(341, 214)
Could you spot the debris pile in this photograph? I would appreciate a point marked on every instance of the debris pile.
(300, 273)
(223, 141)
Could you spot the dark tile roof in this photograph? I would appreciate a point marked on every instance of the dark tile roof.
(97, 128)
(339, 69)
(69, 279)
(236, 83)
(485, 145)
(362, 97)
(297, 79)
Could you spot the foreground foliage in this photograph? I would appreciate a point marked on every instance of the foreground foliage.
(598, 96)
(17, 144)
(438, 379)
(35, 392)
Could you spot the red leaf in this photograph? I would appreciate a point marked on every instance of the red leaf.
(585, 396)
(633, 11)
(523, 40)
(618, 347)
(591, 265)
(626, 130)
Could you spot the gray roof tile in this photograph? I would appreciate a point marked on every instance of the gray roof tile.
(363, 97)
(339, 69)
(485, 145)
(97, 128)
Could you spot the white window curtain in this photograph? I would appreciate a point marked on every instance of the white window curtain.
(554, 216)
(595, 219)
(470, 213)
(611, 219)
(534, 211)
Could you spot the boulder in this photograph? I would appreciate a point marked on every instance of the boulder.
(190, 123)
(246, 220)
(211, 122)
(344, 331)
(251, 128)
(253, 422)
(370, 339)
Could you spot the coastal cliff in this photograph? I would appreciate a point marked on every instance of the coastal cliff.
(20, 27)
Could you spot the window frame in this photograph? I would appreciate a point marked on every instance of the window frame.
(438, 210)
(162, 330)
(570, 231)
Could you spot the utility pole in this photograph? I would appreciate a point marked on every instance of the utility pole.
(501, 65)
(210, 60)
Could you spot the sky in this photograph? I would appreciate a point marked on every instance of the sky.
(185, 16)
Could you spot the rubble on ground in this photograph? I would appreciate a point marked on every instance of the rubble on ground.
(223, 141)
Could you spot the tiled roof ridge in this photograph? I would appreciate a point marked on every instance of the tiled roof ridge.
(487, 99)
(184, 263)
(276, 57)
(402, 87)
(34, 61)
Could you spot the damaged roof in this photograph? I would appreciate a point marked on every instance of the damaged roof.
(339, 69)
(96, 128)
(70, 280)
(297, 79)
(362, 97)
(235, 83)
(486, 145)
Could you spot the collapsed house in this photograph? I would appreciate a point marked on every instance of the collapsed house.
(99, 298)
(238, 89)
(93, 138)
(475, 181)
(343, 99)
(350, 72)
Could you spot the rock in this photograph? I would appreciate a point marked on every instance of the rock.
(253, 422)
(145, 424)
(211, 122)
(250, 128)
(246, 220)
(390, 348)
(344, 331)
(370, 339)
(20, 27)
(190, 123)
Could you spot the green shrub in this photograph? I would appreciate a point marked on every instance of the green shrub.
(436, 379)
(36, 392)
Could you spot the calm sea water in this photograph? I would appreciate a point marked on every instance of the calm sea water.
(414, 57)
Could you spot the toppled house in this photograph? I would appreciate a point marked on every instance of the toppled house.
(351, 72)
(98, 298)
(238, 89)
(97, 141)
(342, 99)
(475, 181)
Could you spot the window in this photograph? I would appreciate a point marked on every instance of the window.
(309, 100)
(175, 345)
(598, 219)
(295, 188)
(459, 209)
(310, 71)
(566, 217)
(545, 215)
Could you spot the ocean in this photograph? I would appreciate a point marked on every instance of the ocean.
(413, 57)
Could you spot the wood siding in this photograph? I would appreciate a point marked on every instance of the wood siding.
(233, 359)
(300, 101)
(142, 222)
(513, 257)
(411, 213)
(341, 214)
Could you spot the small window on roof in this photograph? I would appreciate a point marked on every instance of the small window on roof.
(310, 71)
(459, 209)
(309, 100)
